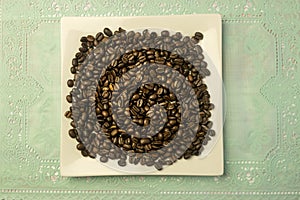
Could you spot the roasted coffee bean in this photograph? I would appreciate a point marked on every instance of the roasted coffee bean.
(83, 39)
(84, 153)
(107, 32)
(72, 133)
(121, 29)
(83, 49)
(199, 36)
(85, 45)
(90, 38)
(74, 62)
(68, 114)
(69, 98)
(145, 141)
(80, 146)
(104, 113)
(140, 102)
(165, 33)
(73, 70)
(99, 36)
(114, 133)
(70, 83)
(127, 146)
(73, 124)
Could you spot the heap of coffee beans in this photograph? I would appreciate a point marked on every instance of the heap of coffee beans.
(98, 68)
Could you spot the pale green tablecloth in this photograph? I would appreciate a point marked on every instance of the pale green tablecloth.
(261, 55)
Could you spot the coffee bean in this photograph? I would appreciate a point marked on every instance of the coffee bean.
(165, 33)
(72, 133)
(199, 36)
(99, 36)
(90, 38)
(68, 114)
(127, 146)
(74, 62)
(80, 146)
(83, 39)
(153, 97)
(84, 153)
(146, 121)
(107, 32)
(121, 30)
(145, 141)
(70, 83)
(83, 50)
(114, 133)
(73, 70)
(69, 98)
(73, 124)
(104, 113)
(140, 102)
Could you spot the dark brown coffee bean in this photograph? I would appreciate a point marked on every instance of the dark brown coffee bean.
(104, 113)
(83, 39)
(153, 97)
(107, 32)
(72, 133)
(74, 62)
(81, 59)
(146, 122)
(78, 55)
(80, 146)
(145, 141)
(99, 36)
(83, 49)
(84, 153)
(90, 44)
(90, 38)
(172, 122)
(68, 114)
(165, 33)
(148, 147)
(114, 133)
(70, 83)
(127, 146)
(199, 36)
(140, 102)
(98, 110)
(84, 45)
(69, 98)
(73, 70)
(73, 124)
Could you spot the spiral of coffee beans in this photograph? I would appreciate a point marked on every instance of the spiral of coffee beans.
(140, 97)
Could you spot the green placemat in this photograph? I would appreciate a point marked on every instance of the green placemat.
(261, 55)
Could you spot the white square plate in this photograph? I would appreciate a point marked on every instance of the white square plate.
(72, 163)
